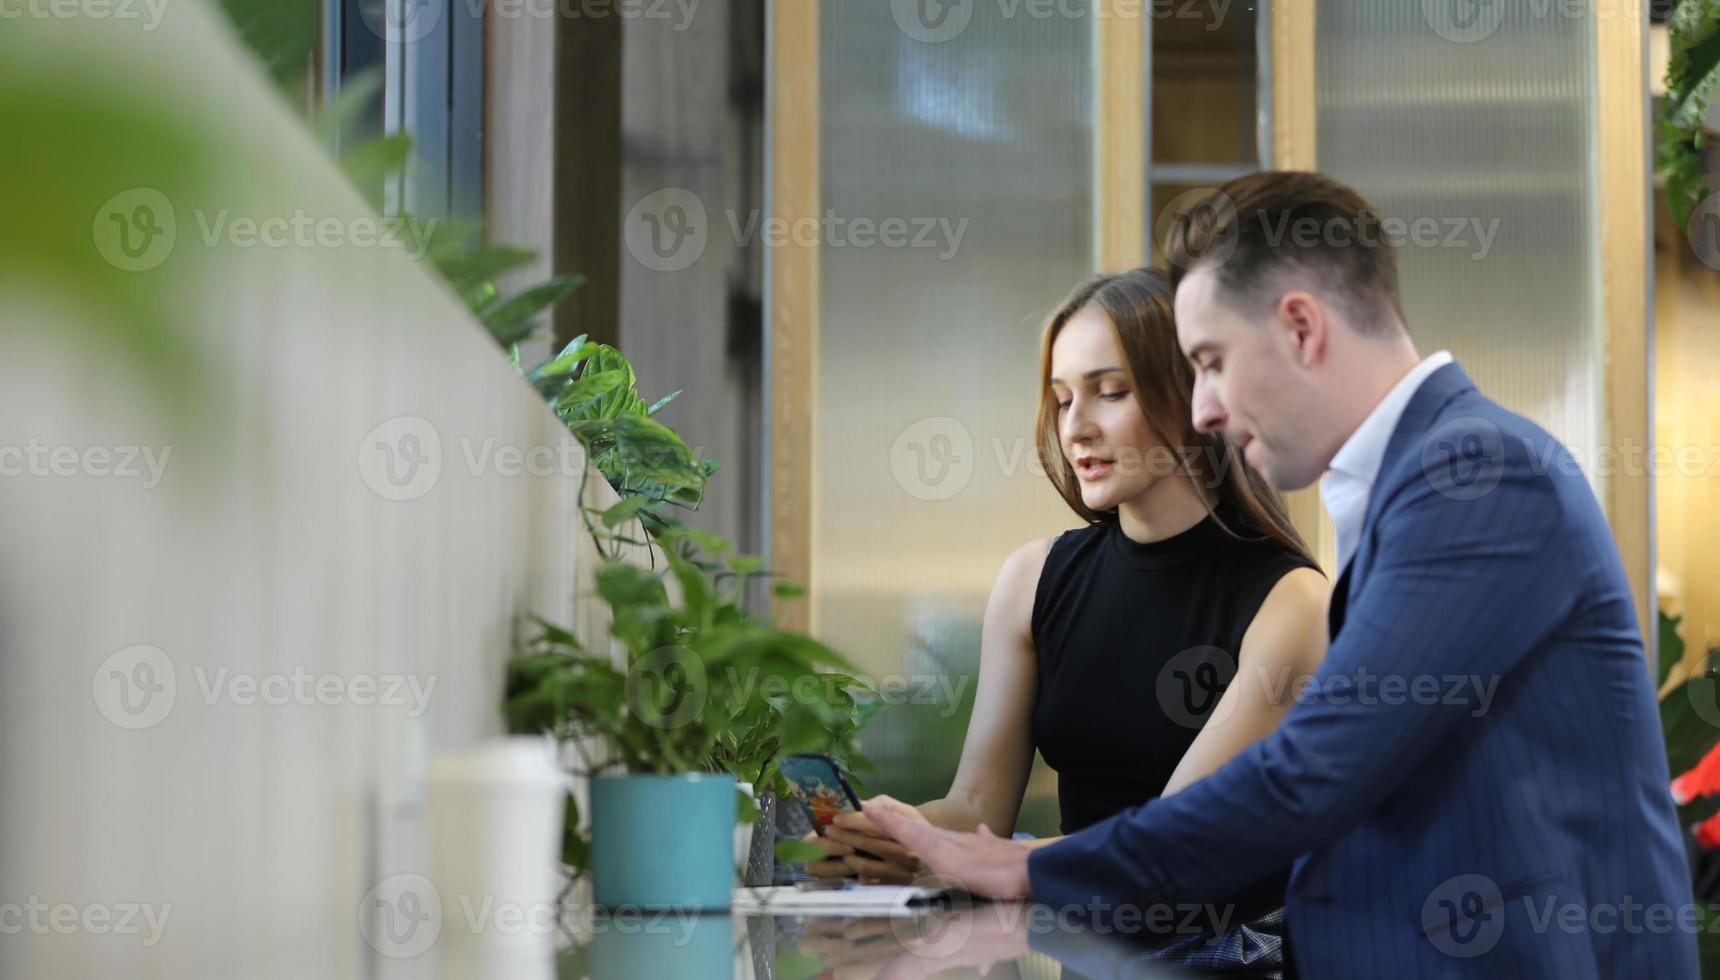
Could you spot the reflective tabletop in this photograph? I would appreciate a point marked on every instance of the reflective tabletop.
(984, 939)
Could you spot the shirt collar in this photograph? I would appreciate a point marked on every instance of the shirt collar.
(1363, 453)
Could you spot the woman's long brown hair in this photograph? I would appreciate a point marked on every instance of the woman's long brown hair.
(1138, 304)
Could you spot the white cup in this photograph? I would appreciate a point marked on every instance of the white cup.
(495, 835)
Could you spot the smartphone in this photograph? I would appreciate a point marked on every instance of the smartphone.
(819, 787)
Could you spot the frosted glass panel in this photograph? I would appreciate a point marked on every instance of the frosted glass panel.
(1478, 118)
(977, 152)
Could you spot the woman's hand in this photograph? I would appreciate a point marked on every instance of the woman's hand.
(872, 854)
(834, 865)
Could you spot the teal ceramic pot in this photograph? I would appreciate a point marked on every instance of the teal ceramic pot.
(663, 841)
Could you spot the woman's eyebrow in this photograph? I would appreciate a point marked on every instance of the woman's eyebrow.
(1090, 375)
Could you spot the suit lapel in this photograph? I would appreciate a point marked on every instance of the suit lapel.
(1407, 438)
(1424, 406)
(1340, 600)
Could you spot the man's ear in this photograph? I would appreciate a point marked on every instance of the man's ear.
(1302, 321)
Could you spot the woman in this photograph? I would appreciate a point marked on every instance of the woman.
(1111, 648)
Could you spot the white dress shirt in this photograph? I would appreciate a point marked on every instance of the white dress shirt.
(1350, 478)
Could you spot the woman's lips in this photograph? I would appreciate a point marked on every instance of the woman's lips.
(1093, 469)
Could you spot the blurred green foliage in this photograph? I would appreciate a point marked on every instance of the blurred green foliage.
(1692, 75)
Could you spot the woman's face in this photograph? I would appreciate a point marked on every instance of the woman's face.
(1100, 423)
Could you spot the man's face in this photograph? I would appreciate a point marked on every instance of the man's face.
(1249, 384)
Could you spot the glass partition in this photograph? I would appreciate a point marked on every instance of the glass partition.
(957, 191)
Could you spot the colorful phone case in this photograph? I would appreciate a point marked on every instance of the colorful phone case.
(819, 788)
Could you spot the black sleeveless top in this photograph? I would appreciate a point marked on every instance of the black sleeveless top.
(1135, 642)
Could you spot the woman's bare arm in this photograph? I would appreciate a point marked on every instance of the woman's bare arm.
(997, 754)
(1285, 643)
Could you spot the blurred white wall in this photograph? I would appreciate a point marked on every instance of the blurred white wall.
(221, 678)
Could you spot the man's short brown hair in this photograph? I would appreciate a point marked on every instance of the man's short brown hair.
(1254, 229)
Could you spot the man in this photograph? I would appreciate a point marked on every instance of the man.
(1474, 783)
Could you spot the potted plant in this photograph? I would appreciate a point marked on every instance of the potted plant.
(706, 695)
(1685, 159)
(706, 645)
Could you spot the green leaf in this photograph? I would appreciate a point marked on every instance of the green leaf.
(1671, 645)
(564, 362)
(746, 810)
(466, 271)
(588, 388)
(575, 847)
(556, 635)
(370, 164)
(787, 590)
(792, 964)
(624, 510)
(706, 541)
(666, 399)
(510, 319)
(798, 851)
(358, 91)
(283, 36)
(622, 584)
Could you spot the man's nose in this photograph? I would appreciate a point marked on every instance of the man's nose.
(1209, 413)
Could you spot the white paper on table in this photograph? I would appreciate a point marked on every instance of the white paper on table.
(880, 900)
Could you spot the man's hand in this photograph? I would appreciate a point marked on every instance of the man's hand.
(984, 864)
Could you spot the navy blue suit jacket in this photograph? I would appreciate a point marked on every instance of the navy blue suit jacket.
(1475, 784)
